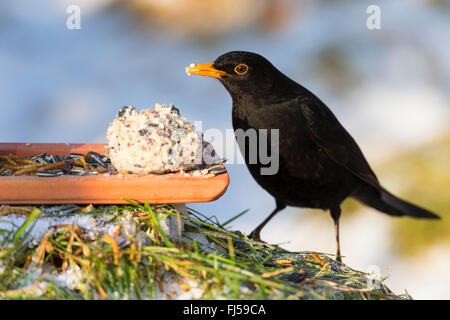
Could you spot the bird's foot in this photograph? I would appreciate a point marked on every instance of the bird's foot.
(254, 235)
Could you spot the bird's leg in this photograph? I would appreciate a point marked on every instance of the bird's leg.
(335, 214)
(255, 234)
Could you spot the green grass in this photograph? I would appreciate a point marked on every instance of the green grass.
(224, 264)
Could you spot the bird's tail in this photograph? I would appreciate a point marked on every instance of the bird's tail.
(386, 202)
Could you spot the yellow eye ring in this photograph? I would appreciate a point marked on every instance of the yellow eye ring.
(241, 68)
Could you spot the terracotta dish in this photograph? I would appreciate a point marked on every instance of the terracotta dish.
(166, 188)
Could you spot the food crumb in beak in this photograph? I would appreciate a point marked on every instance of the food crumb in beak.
(187, 68)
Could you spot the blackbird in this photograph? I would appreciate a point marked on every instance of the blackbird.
(320, 164)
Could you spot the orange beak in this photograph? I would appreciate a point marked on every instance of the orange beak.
(205, 69)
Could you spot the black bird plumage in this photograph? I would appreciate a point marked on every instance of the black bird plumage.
(320, 164)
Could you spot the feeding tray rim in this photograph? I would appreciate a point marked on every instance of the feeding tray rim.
(102, 189)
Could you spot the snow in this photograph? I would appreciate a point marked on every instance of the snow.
(95, 224)
(38, 277)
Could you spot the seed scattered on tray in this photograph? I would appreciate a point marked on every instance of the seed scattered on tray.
(76, 164)
(43, 165)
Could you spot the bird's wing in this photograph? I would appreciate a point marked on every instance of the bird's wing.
(328, 134)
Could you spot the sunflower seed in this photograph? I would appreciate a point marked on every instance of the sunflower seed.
(97, 157)
(52, 158)
(217, 170)
(6, 173)
(53, 173)
(40, 155)
(41, 160)
(77, 172)
(74, 155)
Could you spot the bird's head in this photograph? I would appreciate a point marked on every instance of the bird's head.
(242, 73)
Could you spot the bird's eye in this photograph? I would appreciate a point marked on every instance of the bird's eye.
(241, 68)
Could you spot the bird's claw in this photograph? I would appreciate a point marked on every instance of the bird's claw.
(255, 236)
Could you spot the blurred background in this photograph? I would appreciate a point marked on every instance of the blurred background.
(389, 88)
